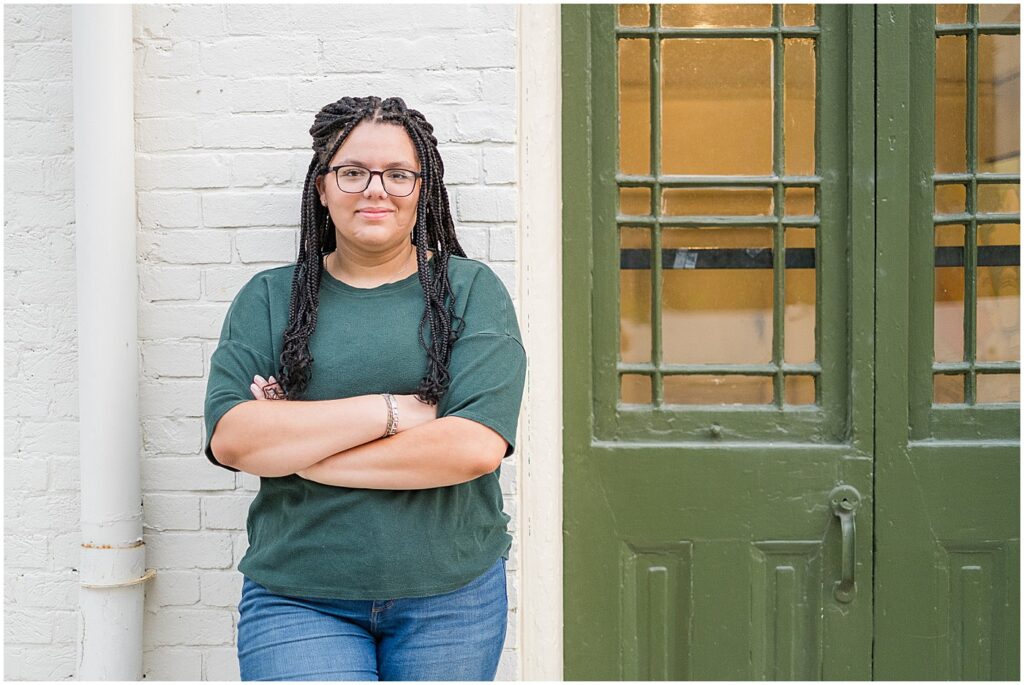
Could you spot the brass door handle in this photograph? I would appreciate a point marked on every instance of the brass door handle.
(845, 500)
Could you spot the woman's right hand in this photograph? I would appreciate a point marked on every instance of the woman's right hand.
(412, 412)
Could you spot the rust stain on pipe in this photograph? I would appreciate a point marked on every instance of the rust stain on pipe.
(136, 543)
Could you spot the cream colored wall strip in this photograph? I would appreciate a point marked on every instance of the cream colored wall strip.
(540, 284)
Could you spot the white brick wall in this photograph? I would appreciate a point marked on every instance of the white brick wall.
(41, 503)
(224, 98)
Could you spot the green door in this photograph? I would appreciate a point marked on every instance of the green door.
(725, 402)
(947, 447)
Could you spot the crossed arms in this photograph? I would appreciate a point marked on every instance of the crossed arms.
(338, 442)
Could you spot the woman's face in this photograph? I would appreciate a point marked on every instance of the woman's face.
(372, 221)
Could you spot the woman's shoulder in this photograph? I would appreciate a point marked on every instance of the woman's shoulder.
(472, 273)
(265, 292)
(251, 313)
(482, 297)
(276, 275)
(266, 283)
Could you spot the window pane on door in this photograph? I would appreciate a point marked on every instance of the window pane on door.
(994, 387)
(950, 14)
(998, 104)
(635, 201)
(634, 106)
(799, 106)
(800, 202)
(998, 293)
(950, 199)
(718, 390)
(999, 14)
(635, 295)
(634, 15)
(949, 294)
(949, 389)
(708, 201)
(951, 104)
(635, 389)
(998, 198)
(703, 16)
(719, 204)
(801, 298)
(798, 15)
(977, 205)
(716, 106)
(717, 305)
(800, 390)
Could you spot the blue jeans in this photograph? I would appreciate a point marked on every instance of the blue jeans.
(457, 635)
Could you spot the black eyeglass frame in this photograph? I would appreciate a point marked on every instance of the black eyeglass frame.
(369, 179)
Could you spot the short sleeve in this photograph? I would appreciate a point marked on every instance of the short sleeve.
(487, 375)
(244, 350)
(487, 367)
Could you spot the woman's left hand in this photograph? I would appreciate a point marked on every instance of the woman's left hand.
(266, 389)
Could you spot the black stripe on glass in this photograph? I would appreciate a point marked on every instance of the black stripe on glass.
(796, 257)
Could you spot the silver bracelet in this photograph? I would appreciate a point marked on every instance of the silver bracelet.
(392, 414)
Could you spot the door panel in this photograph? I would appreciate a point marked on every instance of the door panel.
(702, 442)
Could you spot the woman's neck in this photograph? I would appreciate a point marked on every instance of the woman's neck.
(362, 272)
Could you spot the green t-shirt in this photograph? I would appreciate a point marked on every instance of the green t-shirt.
(315, 540)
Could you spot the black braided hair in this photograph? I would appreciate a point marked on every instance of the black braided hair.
(434, 229)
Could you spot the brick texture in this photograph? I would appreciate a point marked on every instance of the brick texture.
(224, 98)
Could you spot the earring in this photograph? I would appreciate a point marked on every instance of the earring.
(324, 235)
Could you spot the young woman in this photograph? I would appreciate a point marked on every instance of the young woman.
(377, 541)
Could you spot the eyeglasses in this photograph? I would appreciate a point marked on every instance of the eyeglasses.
(356, 179)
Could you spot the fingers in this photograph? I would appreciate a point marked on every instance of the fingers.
(257, 387)
(266, 389)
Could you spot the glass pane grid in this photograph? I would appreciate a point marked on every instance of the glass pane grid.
(666, 21)
(975, 25)
(646, 383)
(972, 381)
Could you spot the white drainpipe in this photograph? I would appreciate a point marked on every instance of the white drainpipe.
(112, 571)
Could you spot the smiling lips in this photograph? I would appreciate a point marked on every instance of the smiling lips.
(374, 212)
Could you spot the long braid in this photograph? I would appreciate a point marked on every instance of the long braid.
(434, 229)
